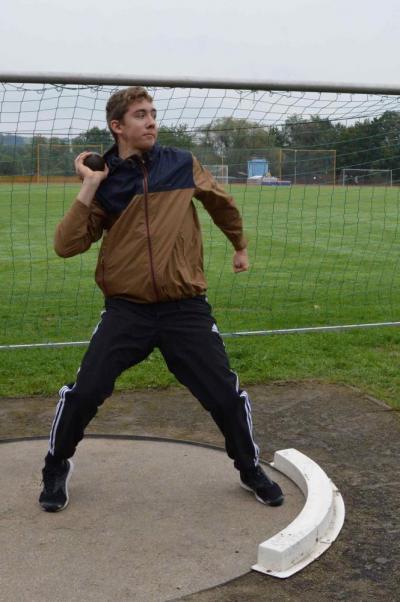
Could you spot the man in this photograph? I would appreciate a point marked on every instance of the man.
(150, 269)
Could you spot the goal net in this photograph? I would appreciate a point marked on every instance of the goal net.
(56, 161)
(321, 254)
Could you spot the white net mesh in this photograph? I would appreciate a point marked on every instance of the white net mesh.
(322, 253)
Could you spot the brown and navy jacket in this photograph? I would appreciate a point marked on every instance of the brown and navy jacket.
(152, 245)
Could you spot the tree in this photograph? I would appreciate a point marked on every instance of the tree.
(387, 134)
(315, 132)
(15, 155)
(178, 136)
(94, 136)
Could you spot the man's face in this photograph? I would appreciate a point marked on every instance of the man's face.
(138, 127)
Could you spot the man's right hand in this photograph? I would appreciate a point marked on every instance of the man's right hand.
(90, 179)
(85, 172)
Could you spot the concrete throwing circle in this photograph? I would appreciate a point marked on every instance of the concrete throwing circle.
(147, 521)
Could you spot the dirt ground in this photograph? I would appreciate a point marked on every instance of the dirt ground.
(353, 437)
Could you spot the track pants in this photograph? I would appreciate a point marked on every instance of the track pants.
(188, 338)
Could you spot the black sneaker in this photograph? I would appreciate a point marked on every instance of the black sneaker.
(265, 490)
(54, 495)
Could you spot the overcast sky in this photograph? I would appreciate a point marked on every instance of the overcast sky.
(353, 41)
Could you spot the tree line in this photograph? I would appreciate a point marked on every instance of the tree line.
(364, 144)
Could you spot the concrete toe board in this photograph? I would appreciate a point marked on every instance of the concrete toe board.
(147, 520)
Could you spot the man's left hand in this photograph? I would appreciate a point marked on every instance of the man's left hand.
(240, 261)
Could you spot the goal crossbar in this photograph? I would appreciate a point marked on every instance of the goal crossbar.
(190, 82)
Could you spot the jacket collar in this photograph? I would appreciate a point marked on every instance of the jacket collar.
(114, 161)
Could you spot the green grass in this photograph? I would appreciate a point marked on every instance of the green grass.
(368, 360)
(318, 256)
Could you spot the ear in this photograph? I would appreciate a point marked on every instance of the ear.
(115, 125)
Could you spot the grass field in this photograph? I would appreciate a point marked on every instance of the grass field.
(319, 256)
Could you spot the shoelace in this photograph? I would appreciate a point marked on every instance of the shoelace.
(259, 478)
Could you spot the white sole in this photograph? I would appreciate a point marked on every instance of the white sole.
(71, 470)
(253, 492)
(276, 503)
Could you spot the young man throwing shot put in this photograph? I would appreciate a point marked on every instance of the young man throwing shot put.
(150, 269)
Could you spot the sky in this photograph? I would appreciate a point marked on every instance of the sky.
(341, 41)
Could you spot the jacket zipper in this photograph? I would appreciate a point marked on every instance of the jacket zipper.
(103, 270)
(146, 212)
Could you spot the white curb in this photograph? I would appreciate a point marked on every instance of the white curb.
(314, 529)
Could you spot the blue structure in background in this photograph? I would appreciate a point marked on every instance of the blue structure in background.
(257, 167)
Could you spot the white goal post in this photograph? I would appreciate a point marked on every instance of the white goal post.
(367, 177)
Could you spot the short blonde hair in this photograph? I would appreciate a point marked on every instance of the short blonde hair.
(120, 101)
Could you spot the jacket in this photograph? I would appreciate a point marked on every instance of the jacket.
(152, 245)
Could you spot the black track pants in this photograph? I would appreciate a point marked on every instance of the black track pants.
(187, 336)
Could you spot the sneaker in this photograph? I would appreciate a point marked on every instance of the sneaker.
(54, 495)
(265, 490)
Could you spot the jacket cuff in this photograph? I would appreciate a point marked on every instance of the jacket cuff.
(240, 244)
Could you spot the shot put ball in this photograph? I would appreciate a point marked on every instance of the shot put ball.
(95, 162)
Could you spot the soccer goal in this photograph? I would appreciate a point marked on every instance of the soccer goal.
(321, 254)
(308, 166)
(367, 177)
(220, 173)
